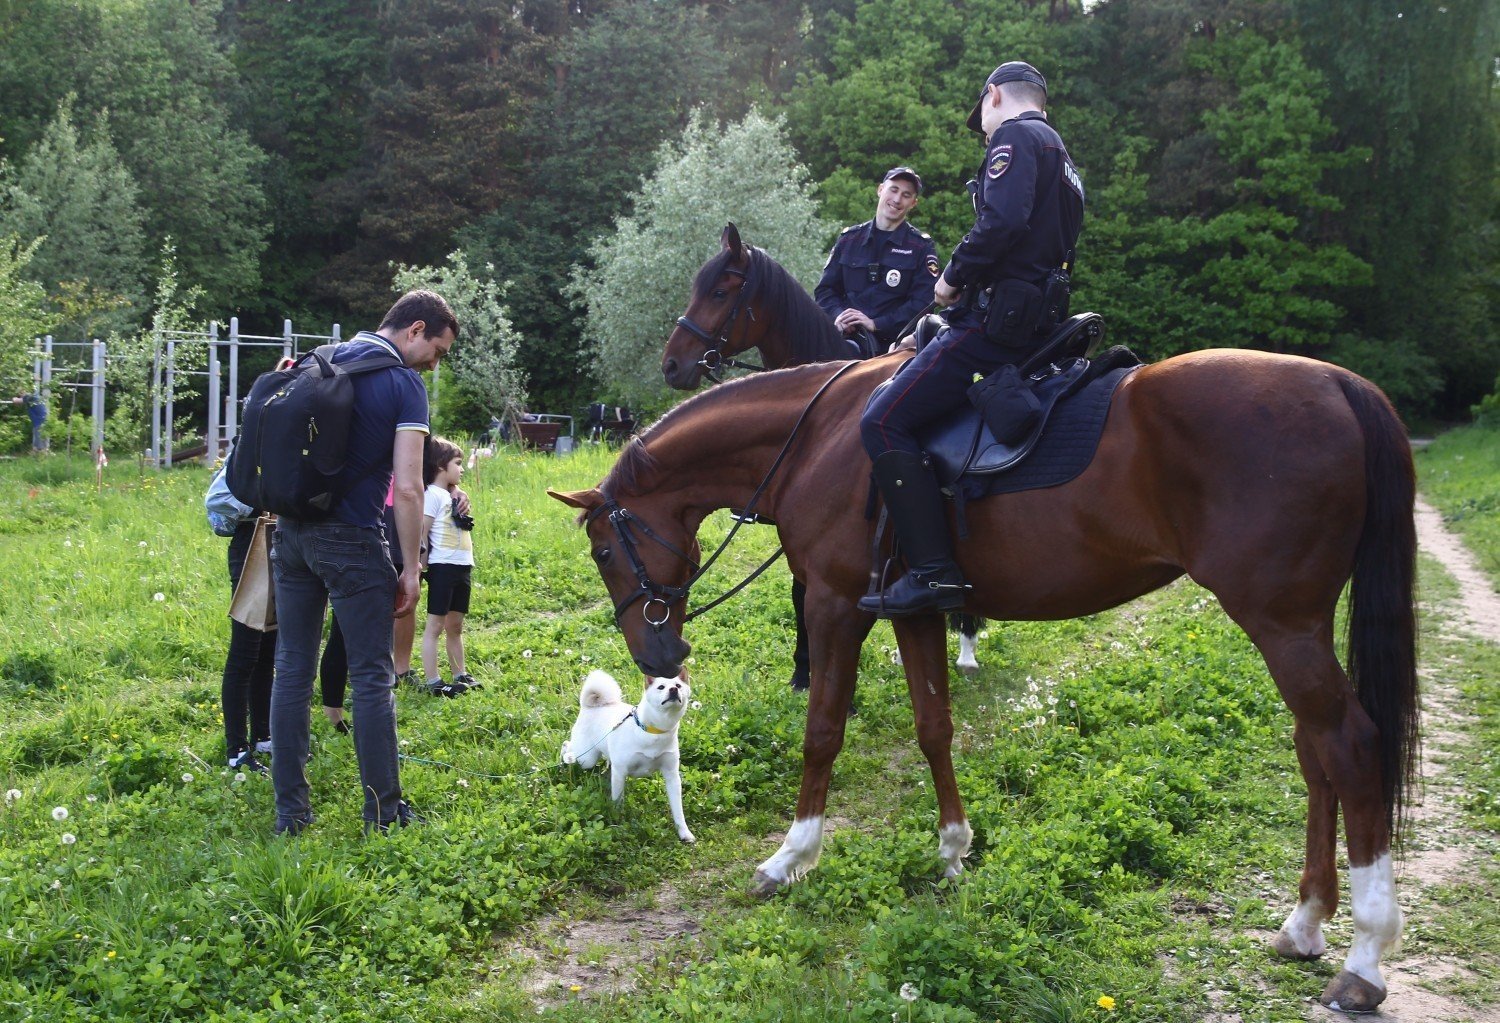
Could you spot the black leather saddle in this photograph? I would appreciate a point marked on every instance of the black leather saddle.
(961, 445)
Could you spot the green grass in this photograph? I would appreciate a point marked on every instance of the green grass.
(1130, 779)
(1459, 473)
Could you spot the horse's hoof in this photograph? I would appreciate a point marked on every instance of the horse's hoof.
(1349, 992)
(764, 885)
(1287, 948)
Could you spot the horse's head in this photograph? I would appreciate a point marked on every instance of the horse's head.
(719, 322)
(646, 562)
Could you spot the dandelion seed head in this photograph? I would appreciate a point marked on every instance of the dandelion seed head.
(59, 813)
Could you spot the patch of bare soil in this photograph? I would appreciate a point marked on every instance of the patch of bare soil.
(1441, 851)
(584, 959)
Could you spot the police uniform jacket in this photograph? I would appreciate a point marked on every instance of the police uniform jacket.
(1028, 208)
(888, 280)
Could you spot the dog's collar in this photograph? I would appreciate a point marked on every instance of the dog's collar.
(645, 727)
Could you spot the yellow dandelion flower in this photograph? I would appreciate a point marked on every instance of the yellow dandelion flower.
(576, 988)
(1106, 1003)
(110, 954)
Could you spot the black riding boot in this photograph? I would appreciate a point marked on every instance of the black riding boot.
(932, 581)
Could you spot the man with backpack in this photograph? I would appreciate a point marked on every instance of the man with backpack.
(342, 555)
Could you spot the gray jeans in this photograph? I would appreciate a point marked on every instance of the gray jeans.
(314, 562)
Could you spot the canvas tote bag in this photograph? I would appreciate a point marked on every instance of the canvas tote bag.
(254, 602)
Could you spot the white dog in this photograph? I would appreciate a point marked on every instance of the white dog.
(637, 741)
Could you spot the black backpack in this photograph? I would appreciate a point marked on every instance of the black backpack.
(294, 440)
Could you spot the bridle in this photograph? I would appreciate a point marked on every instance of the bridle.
(712, 359)
(663, 597)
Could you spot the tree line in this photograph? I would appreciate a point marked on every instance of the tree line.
(1308, 176)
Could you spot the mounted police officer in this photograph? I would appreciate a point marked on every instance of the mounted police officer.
(1028, 207)
(880, 273)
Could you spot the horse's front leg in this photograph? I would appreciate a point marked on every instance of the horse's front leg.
(924, 654)
(836, 630)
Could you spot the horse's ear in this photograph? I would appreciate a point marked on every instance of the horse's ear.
(583, 500)
(730, 239)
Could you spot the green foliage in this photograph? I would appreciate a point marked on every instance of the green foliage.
(24, 316)
(1460, 474)
(485, 378)
(132, 357)
(587, 144)
(73, 193)
(743, 172)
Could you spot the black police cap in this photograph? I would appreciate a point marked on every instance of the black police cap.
(904, 172)
(1011, 71)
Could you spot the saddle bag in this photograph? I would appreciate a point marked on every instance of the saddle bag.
(1007, 404)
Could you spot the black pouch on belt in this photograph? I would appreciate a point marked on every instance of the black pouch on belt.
(1015, 307)
(1006, 404)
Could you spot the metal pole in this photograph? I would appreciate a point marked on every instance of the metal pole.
(97, 405)
(336, 336)
(156, 399)
(232, 402)
(170, 422)
(211, 449)
(46, 388)
(288, 344)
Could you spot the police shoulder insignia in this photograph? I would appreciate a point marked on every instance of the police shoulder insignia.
(932, 264)
(999, 161)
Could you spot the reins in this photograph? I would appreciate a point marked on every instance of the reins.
(624, 524)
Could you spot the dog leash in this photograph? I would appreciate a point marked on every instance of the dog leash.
(524, 774)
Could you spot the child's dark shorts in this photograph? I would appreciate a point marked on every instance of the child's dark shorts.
(448, 588)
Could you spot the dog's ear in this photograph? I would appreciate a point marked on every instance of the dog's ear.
(584, 500)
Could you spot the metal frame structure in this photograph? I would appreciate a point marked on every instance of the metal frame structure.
(45, 374)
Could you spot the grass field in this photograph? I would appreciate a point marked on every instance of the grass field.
(1130, 779)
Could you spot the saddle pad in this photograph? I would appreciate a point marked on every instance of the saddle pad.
(1065, 449)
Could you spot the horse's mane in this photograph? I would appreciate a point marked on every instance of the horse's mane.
(635, 466)
(812, 334)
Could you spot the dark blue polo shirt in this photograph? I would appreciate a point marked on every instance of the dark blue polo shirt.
(386, 401)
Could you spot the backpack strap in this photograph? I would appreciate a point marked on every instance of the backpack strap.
(377, 360)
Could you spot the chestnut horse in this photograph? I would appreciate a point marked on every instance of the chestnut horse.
(1270, 480)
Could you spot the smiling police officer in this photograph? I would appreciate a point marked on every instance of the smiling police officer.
(1028, 207)
(880, 273)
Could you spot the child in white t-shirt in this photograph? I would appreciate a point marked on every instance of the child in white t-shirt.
(448, 557)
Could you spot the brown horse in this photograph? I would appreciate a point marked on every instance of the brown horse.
(1270, 480)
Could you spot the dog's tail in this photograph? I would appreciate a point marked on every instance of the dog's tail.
(600, 690)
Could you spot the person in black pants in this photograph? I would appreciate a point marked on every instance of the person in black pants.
(248, 667)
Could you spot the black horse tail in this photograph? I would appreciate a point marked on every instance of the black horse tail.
(1382, 662)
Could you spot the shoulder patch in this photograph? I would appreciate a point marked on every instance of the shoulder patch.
(999, 161)
(932, 264)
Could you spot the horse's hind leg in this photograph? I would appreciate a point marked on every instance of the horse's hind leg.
(967, 626)
(836, 630)
(924, 653)
(1301, 936)
(1343, 742)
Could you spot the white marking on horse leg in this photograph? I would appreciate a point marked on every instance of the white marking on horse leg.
(966, 649)
(1377, 918)
(953, 846)
(1304, 929)
(798, 854)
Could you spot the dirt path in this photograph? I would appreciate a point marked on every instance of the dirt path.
(1442, 851)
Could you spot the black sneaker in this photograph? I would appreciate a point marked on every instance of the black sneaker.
(409, 677)
(467, 681)
(405, 817)
(437, 687)
(244, 760)
(294, 826)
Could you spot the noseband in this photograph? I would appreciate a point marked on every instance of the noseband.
(624, 524)
(713, 359)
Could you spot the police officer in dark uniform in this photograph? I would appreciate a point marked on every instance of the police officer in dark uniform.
(1028, 207)
(880, 273)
